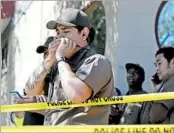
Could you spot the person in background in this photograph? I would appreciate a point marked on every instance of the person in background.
(135, 79)
(32, 118)
(161, 112)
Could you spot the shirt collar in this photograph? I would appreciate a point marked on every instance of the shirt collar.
(136, 91)
(75, 59)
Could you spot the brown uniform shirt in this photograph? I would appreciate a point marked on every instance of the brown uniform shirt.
(168, 86)
(95, 70)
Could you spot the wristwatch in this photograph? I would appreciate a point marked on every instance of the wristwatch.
(61, 58)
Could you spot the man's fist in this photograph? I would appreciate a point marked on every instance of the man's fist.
(26, 99)
(67, 48)
(52, 50)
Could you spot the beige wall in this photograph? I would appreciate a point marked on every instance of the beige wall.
(136, 38)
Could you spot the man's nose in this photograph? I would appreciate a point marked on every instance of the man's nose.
(157, 68)
(129, 74)
(61, 35)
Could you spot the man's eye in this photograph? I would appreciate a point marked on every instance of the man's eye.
(66, 31)
(159, 64)
(135, 73)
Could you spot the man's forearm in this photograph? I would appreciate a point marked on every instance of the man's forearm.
(71, 83)
(35, 84)
(65, 72)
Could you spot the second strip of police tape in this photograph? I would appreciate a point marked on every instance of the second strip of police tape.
(92, 129)
(91, 102)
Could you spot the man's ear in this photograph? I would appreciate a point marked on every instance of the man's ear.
(172, 63)
(85, 33)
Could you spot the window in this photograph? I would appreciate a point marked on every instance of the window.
(164, 24)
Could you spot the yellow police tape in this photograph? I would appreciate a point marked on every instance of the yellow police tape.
(92, 129)
(92, 102)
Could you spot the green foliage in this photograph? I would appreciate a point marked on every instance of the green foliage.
(98, 22)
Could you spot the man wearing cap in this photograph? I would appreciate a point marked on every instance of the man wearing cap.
(32, 118)
(82, 74)
(135, 79)
(44, 48)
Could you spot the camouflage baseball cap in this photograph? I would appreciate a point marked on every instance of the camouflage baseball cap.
(70, 17)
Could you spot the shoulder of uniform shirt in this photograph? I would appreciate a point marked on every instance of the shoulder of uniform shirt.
(99, 57)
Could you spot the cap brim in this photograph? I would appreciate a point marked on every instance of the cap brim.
(52, 24)
(130, 65)
(41, 49)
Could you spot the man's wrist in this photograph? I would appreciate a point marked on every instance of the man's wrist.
(60, 59)
(63, 65)
(47, 64)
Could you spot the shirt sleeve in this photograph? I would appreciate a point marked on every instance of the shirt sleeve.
(96, 72)
(167, 103)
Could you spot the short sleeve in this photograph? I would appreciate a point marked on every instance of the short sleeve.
(168, 87)
(96, 72)
(168, 103)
